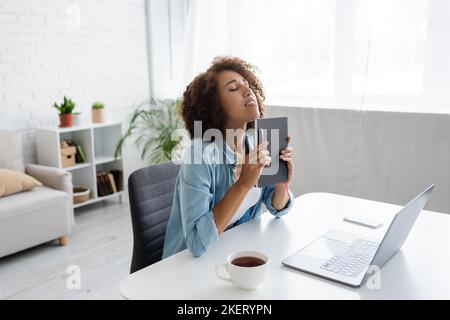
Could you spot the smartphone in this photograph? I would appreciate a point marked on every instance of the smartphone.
(364, 221)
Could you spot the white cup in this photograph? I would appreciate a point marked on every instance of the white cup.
(244, 277)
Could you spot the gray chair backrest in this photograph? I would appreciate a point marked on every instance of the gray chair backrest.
(151, 194)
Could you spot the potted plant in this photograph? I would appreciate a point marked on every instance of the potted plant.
(76, 118)
(98, 112)
(152, 125)
(65, 112)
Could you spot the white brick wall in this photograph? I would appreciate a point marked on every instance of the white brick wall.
(43, 56)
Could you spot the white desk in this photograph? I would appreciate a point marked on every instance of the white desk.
(421, 270)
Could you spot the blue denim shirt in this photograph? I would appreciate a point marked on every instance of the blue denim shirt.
(198, 188)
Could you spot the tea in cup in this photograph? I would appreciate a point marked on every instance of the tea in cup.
(246, 269)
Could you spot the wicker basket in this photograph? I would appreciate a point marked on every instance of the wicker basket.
(80, 194)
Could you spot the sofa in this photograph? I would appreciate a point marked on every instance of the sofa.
(39, 215)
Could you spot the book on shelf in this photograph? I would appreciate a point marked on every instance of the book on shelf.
(108, 182)
(112, 182)
(104, 186)
(101, 191)
(118, 178)
(81, 155)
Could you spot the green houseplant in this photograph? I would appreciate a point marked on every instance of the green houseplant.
(152, 125)
(98, 112)
(65, 112)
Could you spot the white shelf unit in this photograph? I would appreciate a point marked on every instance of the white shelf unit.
(99, 142)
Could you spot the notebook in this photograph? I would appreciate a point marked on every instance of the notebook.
(275, 131)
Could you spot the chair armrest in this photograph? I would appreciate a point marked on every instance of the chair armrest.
(54, 178)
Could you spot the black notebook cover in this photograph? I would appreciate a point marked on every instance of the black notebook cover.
(264, 128)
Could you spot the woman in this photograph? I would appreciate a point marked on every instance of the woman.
(218, 193)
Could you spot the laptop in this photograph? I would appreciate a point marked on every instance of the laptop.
(346, 257)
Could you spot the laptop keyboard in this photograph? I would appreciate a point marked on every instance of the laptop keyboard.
(354, 260)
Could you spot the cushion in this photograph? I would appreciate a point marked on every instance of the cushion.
(13, 182)
(13, 159)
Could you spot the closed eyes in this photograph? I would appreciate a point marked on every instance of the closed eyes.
(236, 88)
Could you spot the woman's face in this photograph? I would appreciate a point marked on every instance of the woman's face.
(237, 99)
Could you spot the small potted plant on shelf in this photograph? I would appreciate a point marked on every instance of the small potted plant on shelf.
(98, 112)
(65, 112)
(76, 118)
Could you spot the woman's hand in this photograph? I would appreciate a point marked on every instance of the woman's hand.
(286, 155)
(251, 169)
(280, 197)
(253, 166)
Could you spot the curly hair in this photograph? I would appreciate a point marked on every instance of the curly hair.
(201, 102)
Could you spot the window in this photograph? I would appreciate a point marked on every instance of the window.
(363, 54)
(389, 46)
(292, 43)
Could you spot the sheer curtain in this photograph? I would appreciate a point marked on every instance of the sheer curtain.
(202, 36)
(357, 54)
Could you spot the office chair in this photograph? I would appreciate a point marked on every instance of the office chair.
(151, 193)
